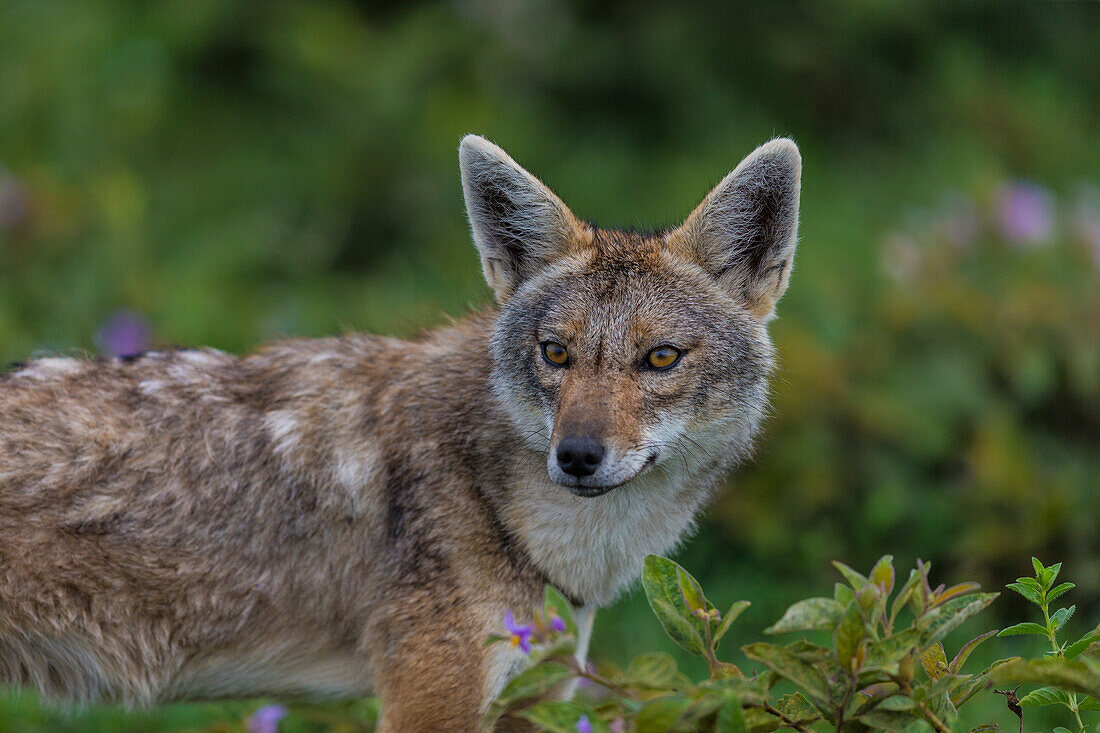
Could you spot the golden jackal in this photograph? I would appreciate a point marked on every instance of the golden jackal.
(347, 516)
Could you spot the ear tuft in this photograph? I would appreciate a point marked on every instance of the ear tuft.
(518, 224)
(746, 229)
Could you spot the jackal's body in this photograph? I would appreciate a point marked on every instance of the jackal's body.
(340, 517)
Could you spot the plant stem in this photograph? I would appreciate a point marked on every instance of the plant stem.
(712, 660)
(1051, 634)
(935, 721)
(844, 705)
(599, 679)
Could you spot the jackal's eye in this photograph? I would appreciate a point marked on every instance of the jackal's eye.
(663, 357)
(555, 353)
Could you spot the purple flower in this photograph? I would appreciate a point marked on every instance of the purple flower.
(124, 334)
(557, 624)
(266, 719)
(1024, 213)
(583, 726)
(521, 633)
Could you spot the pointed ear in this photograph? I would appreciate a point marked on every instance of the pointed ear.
(746, 229)
(519, 225)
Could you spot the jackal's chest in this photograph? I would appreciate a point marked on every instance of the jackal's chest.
(593, 548)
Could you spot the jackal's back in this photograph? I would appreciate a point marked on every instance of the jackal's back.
(175, 500)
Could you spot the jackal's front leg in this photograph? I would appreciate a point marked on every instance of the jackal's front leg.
(432, 670)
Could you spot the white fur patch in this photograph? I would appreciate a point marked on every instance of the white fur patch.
(282, 425)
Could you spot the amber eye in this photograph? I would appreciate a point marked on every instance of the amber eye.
(663, 357)
(555, 353)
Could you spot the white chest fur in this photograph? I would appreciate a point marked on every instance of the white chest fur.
(593, 548)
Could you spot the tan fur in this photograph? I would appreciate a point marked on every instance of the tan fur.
(347, 516)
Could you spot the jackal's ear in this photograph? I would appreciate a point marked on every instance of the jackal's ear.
(746, 229)
(519, 225)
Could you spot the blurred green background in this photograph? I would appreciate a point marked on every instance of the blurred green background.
(223, 172)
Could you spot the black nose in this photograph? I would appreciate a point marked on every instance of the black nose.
(579, 456)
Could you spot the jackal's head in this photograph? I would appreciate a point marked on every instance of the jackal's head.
(618, 352)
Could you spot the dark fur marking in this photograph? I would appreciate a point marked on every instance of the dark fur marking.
(501, 210)
(405, 527)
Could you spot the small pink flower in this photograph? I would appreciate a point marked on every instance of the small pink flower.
(521, 633)
(583, 726)
(266, 719)
(618, 725)
(557, 624)
(1024, 213)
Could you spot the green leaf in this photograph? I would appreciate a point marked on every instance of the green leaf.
(855, 579)
(810, 614)
(553, 602)
(1052, 574)
(960, 696)
(652, 670)
(796, 707)
(759, 721)
(1060, 617)
(1073, 676)
(750, 691)
(1033, 594)
(1060, 729)
(967, 648)
(1045, 696)
(1024, 629)
(934, 661)
(942, 620)
(727, 620)
(961, 589)
(1055, 592)
(1038, 567)
(842, 594)
(903, 595)
(1082, 644)
(730, 718)
(678, 628)
(790, 666)
(888, 720)
(882, 574)
(1088, 703)
(561, 717)
(893, 648)
(660, 714)
(535, 681)
(661, 582)
(690, 591)
(849, 633)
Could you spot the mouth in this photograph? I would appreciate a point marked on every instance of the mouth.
(593, 490)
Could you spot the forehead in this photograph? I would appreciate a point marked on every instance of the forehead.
(631, 282)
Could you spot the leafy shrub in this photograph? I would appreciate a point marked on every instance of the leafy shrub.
(883, 667)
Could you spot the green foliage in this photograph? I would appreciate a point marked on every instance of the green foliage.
(1070, 672)
(877, 673)
(867, 679)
